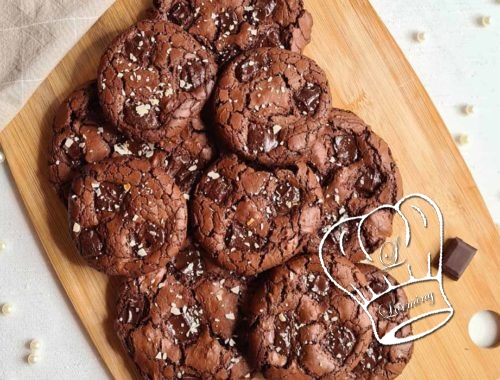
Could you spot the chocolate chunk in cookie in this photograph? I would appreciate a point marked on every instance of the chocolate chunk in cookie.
(270, 105)
(186, 161)
(379, 361)
(127, 217)
(229, 28)
(359, 175)
(180, 321)
(153, 78)
(250, 220)
(81, 136)
(303, 327)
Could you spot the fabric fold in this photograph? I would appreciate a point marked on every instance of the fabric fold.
(35, 36)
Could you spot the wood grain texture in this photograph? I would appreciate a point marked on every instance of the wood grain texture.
(369, 75)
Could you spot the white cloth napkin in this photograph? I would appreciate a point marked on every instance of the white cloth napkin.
(35, 36)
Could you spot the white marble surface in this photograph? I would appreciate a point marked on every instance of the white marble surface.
(459, 63)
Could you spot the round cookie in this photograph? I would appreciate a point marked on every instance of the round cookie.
(303, 327)
(180, 322)
(358, 174)
(153, 78)
(81, 136)
(230, 27)
(250, 220)
(127, 217)
(385, 362)
(270, 105)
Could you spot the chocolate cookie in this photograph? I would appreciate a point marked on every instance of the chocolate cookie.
(127, 217)
(153, 78)
(180, 321)
(186, 161)
(303, 327)
(250, 220)
(270, 104)
(358, 174)
(230, 27)
(81, 136)
(385, 362)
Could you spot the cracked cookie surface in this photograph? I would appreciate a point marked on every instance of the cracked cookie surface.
(270, 104)
(187, 160)
(180, 322)
(230, 27)
(81, 135)
(385, 362)
(358, 174)
(127, 217)
(153, 78)
(250, 220)
(303, 327)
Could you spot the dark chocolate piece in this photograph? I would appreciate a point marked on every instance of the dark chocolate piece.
(457, 256)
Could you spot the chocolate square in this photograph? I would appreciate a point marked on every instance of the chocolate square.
(457, 256)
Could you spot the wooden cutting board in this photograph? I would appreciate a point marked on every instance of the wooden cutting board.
(368, 75)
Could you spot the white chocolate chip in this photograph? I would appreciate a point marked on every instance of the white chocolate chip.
(143, 109)
(7, 308)
(175, 310)
(230, 316)
(468, 109)
(35, 345)
(462, 139)
(77, 228)
(282, 317)
(33, 358)
(213, 175)
(420, 36)
(122, 149)
(486, 20)
(276, 129)
(236, 290)
(142, 252)
(69, 142)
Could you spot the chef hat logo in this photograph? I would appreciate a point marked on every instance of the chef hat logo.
(363, 296)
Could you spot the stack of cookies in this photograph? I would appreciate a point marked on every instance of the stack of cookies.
(204, 165)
